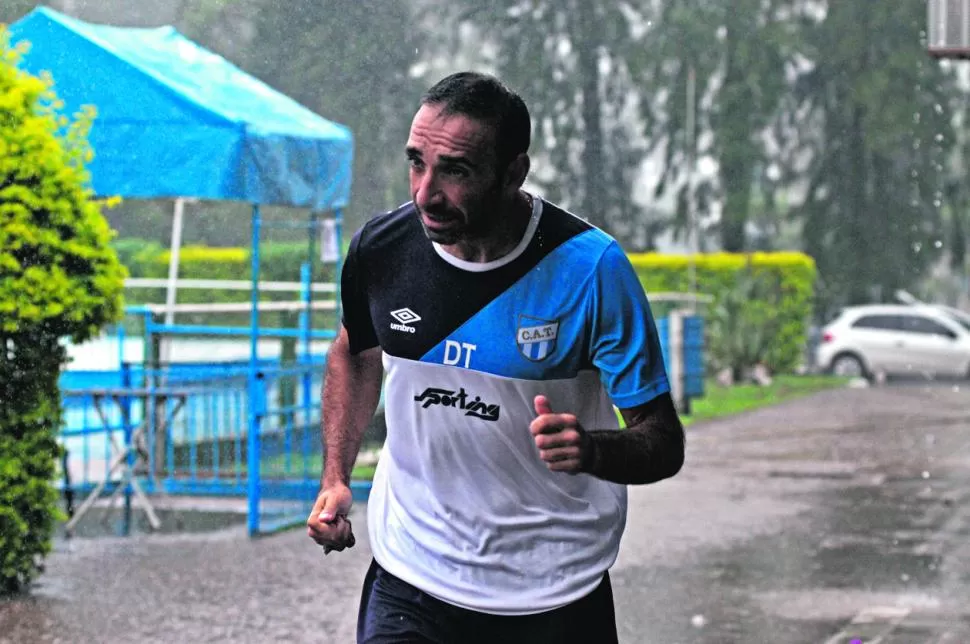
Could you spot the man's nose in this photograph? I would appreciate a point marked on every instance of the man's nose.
(426, 189)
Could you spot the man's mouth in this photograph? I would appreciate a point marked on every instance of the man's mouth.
(438, 220)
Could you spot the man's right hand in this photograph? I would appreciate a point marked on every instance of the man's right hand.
(328, 524)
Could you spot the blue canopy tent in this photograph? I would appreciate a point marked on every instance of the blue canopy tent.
(175, 121)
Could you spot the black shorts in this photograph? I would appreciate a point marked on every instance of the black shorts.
(395, 612)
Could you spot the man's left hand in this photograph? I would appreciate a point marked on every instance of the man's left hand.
(561, 440)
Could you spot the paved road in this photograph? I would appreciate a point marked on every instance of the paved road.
(843, 517)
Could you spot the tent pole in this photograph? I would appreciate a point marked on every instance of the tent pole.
(173, 273)
(307, 281)
(256, 392)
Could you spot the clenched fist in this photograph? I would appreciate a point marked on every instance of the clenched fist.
(328, 524)
(563, 443)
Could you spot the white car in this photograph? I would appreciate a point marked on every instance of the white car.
(895, 339)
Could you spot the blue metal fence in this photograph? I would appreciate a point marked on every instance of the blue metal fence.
(207, 448)
(197, 441)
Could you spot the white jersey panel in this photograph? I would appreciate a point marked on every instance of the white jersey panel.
(463, 508)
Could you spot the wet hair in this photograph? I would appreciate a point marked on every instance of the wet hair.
(486, 98)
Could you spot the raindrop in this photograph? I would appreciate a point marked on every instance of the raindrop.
(916, 144)
(926, 474)
(956, 389)
(698, 621)
(938, 108)
(917, 247)
(904, 577)
(938, 243)
(916, 117)
(649, 23)
(937, 203)
(939, 138)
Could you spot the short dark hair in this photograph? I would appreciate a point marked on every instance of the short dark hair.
(486, 98)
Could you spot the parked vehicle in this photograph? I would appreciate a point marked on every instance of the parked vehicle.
(896, 340)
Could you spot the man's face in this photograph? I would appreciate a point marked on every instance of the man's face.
(456, 182)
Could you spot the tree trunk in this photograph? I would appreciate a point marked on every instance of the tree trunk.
(737, 153)
(593, 204)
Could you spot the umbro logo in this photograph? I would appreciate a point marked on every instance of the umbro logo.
(404, 317)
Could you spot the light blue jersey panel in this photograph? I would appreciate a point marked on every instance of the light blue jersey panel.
(538, 329)
(625, 346)
(581, 307)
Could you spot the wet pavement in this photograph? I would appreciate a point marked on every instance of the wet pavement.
(840, 518)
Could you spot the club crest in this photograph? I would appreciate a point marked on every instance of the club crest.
(536, 338)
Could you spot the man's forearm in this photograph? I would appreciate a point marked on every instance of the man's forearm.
(351, 391)
(648, 450)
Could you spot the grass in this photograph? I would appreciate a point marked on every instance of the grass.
(276, 464)
(727, 401)
(717, 402)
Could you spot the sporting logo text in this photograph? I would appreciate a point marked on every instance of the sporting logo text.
(448, 398)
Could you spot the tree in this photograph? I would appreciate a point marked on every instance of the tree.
(739, 52)
(338, 61)
(874, 120)
(13, 10)
(567, 59)
(58, 278)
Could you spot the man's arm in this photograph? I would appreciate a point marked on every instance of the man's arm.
(351, 391)
(650, 449)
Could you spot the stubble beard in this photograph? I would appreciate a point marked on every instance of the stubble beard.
(475, 225)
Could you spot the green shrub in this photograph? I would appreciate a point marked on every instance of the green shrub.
(29, 419)
(59, 277)
(776, 290)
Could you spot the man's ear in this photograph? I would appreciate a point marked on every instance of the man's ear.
(517, 172)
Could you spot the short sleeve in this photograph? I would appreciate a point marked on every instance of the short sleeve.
(624, 346)
(353, 298)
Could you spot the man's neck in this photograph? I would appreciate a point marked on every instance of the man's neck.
(502, 239)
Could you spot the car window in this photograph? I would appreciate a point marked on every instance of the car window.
(926, 326)
(880, 322)
(964, 322)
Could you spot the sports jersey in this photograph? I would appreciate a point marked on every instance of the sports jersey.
(462, 507)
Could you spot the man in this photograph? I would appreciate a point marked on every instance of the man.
(508, 330)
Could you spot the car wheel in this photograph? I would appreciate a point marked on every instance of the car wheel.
(848, 365)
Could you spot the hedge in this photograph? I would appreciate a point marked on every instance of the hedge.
(778, 289)
(778, 302)
(279, 261)
(59, 277)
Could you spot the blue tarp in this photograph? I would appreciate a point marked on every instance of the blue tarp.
(176, 120)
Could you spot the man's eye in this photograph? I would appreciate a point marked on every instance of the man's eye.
(415, 163)
(456, 171)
